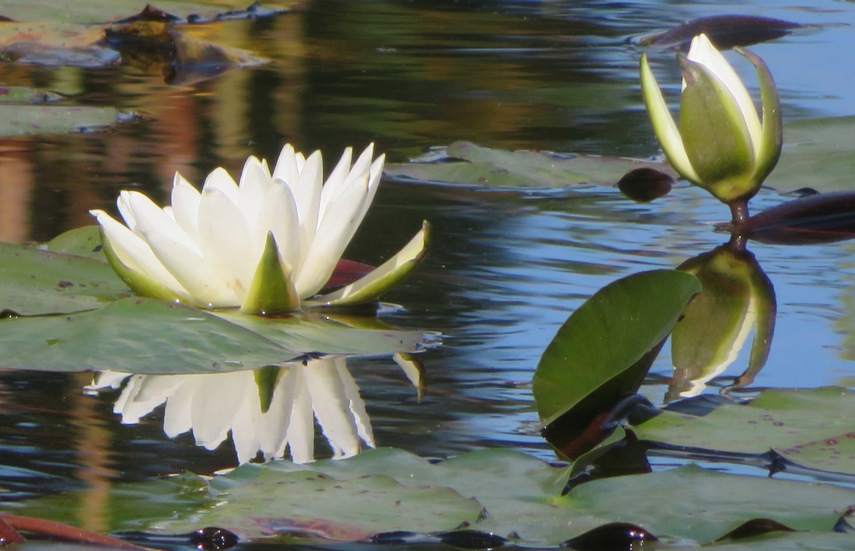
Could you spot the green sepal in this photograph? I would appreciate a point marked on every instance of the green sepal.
(139, 283)
(708, 332)
(369, 287)
(715, 134)
(773, 127)
(271, 291)
(266, 379)
(766, 309)
(663, 124)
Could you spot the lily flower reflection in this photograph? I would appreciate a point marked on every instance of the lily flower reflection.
(721, 144)
(737, 298)
(268, 411)
(265, 244)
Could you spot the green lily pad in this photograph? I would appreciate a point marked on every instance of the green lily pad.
(19, 120)
(101, 11)
(135, 335)
(817, 154)
(85, 241)
(36, 282)
(141, 335)
(811, 428)
(387, 489)
(605, 345)
(21, 94)
(467, 164)
(690, 502)
(792, 541)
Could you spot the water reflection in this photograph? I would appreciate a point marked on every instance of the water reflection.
(737, 298)
(266, 411)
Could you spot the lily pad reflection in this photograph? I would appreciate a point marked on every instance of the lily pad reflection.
(266, 411)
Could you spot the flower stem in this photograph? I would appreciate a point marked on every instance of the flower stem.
(739, 213)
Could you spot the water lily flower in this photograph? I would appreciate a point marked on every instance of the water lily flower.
(271, 411)
(265, 244)
(721, 145)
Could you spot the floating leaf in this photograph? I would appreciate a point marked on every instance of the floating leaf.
(19, 120)
(814, 429)
(54, 43)
(383, 490)
(817, 218)
(604, 346)
(702, 505)
(725, 31)
(38, 282)
(21, 94)
(150, 336)
(98, 12)
(464, 163)
(817, 155)
(85, 241)
(136, 335)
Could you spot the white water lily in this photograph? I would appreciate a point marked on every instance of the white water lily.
(721, 144)
(270, 411)
(265, 244)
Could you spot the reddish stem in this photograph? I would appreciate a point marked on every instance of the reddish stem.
(49, 529)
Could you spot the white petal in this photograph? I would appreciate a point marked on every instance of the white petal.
(135, 253)
(307, 196)
(336, 228)
(221, 180)
(191, 270)
(279, 215)
(151, 217)
(185, 205)
(255, 182)
(152, 391)
(356, 403)
(216, 400)
(274, 423)
(703, 51)
(286, 168)
(225, 241)
(336, 180)
(332, 407)
(125, 210)
(301, 428)
(177, 418)
(246, 426)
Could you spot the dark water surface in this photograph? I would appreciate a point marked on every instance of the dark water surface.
(505, 268)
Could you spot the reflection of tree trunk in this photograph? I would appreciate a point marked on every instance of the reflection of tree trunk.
(16, 183)
(93, 456)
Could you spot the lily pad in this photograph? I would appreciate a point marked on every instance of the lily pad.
(810, 428)
(466, 164)
(38, 282)
(105, 11)
(21, 94)
(701, 505)
(19, 120)
(137, 335)
(601, 346)
(150, 336)
(817, 154)
(386, 489)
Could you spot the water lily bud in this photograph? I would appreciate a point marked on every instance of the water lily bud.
(721, 143)
(737, 298)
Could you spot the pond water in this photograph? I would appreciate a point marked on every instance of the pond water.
(505, 268)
